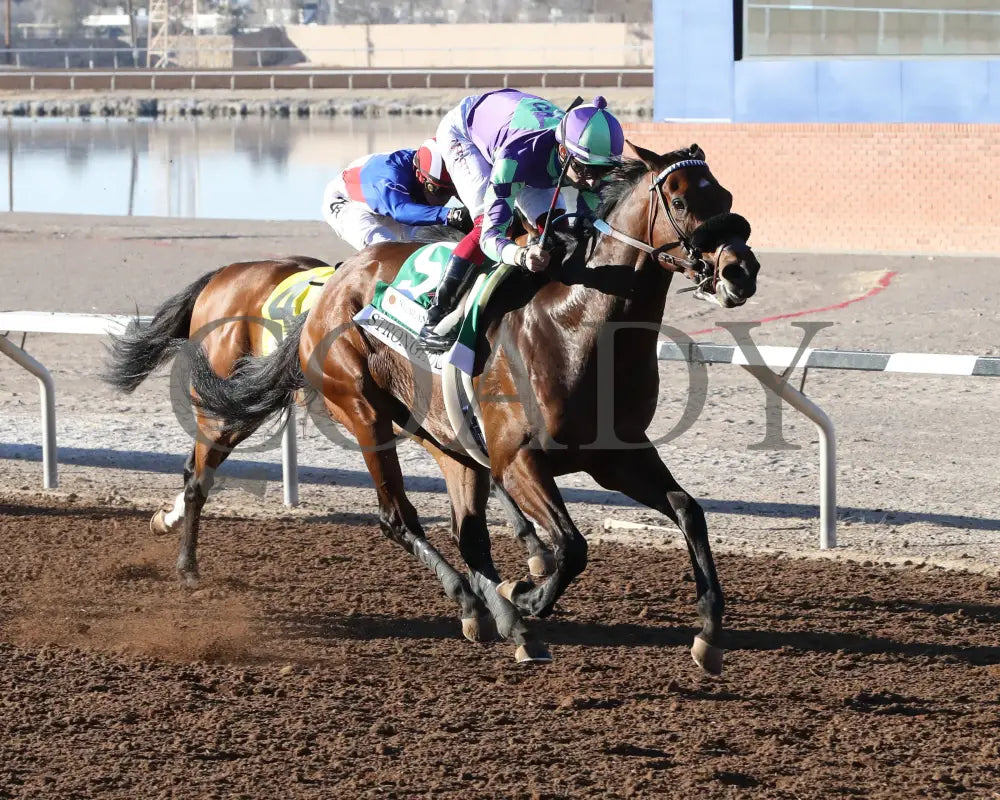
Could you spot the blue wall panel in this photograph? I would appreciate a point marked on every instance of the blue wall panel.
(993, 99)
(768, 91)
(693, 53)
(697, 78)
(945, 91)
(858, 91)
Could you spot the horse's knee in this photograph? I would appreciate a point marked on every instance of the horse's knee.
(473, 540)
(689, 512)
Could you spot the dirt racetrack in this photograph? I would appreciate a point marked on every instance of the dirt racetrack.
(318, 660)
(321, 661)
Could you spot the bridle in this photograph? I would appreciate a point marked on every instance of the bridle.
(704, 274)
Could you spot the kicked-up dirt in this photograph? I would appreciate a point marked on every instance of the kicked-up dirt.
(317, 659)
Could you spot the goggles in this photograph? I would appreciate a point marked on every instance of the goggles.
(590, 172)
(435, 188)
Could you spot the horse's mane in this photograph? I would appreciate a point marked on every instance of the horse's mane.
(619, 183)
(622, 179)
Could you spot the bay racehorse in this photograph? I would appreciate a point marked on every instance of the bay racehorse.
(222, 312)
(559, 348)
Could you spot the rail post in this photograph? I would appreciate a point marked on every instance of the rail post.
(289, 460)
(47, 395)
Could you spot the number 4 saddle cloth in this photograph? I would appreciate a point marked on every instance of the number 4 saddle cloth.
(295, 295)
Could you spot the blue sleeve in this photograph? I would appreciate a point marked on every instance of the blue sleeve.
(400, 205)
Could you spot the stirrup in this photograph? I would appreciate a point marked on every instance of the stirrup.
(436, 342)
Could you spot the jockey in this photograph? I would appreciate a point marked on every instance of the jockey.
(394, 197)
(506, 150)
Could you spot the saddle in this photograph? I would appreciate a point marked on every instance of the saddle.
(399, 310)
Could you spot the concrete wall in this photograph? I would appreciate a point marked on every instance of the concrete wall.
(384, 46)
(898, 188)
(698, 78)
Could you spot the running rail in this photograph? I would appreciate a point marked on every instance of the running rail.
(138, 78)
(100, 325)
(759, 365)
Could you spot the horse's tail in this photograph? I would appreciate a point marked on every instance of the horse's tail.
(141, 348)
(259, 387)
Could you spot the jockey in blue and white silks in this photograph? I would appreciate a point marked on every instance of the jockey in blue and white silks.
(393, 197)
(505, 151)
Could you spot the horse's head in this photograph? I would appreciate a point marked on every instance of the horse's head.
(691, 228)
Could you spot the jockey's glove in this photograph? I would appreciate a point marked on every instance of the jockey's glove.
(460, 218)
(532, 258)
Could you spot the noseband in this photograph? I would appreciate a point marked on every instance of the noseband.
(694, 267)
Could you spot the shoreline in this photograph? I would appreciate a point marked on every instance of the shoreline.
(630, 103)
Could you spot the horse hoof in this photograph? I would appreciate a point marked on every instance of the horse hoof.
(190, 577)
(707, 656)
(158, 523)
(508, 589)
(542, 565)
(532, 653)
(479, 629)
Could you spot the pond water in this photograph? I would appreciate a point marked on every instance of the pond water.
(222, 169)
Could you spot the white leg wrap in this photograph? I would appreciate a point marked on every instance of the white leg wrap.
(176, 514)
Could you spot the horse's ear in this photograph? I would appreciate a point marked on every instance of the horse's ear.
(651, 159)
(696, 152)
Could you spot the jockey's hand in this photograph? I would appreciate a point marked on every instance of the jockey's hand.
(461, 219)
(532, 258)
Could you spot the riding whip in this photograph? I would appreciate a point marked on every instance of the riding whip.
(562, 175)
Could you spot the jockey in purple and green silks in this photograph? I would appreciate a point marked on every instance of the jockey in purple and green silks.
(505, 150)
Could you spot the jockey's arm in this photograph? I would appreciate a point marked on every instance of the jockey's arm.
(499, 203)
(400, 205)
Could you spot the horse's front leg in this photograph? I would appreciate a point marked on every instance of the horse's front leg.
(643, 476)
(531, 484)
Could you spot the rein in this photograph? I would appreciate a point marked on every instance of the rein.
(694, 267)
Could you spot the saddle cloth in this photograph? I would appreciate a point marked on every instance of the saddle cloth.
(399, 310)
(293, 296)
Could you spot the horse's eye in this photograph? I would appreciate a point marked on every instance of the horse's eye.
(677, 203)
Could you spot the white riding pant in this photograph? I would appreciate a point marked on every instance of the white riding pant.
(359, 226)
(470, 170)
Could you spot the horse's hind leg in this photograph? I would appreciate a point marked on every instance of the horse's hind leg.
(209, 452)
(469, 491)
(170, 518)
(397, 516)
(541, 562)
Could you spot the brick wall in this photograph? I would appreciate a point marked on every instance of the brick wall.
(898, 188)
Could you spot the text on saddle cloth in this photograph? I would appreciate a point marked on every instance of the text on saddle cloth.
(399, 310)
(293, 296)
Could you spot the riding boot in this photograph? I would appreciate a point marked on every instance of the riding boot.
(456, 276)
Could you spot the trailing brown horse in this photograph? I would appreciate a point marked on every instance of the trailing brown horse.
(235, 293)
(568, 383)
(222, 311)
